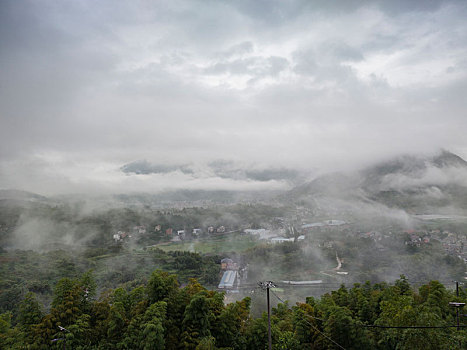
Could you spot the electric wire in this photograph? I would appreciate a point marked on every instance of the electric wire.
(382, 326)
(331, 284)
(324, 335)
(409, 327)
(283, 302)
(313, 326)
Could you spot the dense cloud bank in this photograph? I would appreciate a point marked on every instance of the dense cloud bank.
(310, 85)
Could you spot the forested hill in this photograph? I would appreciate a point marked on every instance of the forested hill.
(159, 314)
(419, 184)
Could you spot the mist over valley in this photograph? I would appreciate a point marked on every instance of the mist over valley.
(399, 216)
(233, 175)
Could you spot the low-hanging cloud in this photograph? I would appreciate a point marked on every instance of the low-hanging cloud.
(432, 176)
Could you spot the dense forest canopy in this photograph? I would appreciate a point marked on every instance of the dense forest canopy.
(160, 314)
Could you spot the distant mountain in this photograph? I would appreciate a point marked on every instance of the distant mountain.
(191, 198)
(221, 168)
(448, 159)
(410, 182)
(21, 196)
(416, 170)
(167, 199)
(143, 167)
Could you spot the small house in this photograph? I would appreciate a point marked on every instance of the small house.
(226, 263)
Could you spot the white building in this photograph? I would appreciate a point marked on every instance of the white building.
(284, 239)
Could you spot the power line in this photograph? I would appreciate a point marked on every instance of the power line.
(381, 326)
(324, 335)
(337, 284)
(312, 326)
(283, 302)
(269, 285)
(407, 327)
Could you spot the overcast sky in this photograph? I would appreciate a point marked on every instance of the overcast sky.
(89, 86)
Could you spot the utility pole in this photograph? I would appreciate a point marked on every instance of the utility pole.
(457, 305)
(457, 309)
(266, 285)
(269, 321)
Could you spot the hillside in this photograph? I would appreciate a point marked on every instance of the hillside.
(418, 184)
(18, 196)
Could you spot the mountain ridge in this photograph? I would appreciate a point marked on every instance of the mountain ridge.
(414, 182)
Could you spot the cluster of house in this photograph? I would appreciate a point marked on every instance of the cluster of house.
(454, 245)
(175, 234)
(121, 236)
(220, 229)
(181, 234)
(417, 239)
(278, 235)
(194, 231)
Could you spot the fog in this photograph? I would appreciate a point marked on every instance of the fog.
(432, 176)
(277, 89)
(191, 114)
(45, 234)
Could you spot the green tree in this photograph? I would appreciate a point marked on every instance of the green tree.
(116, 323)
(341, 327)
(287, 341)
(206, 343)
(231, 325)
(257, 333)
(146, 331)
(196, 324)
(11, 338)
(304, 325)
(30, 312)
(161, 285)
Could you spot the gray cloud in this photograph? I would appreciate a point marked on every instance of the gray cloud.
(253, 66)
(87, 87)
(242, 48)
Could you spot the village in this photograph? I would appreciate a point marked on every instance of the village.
(281, 231)
(278, 232)
(328, 235)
